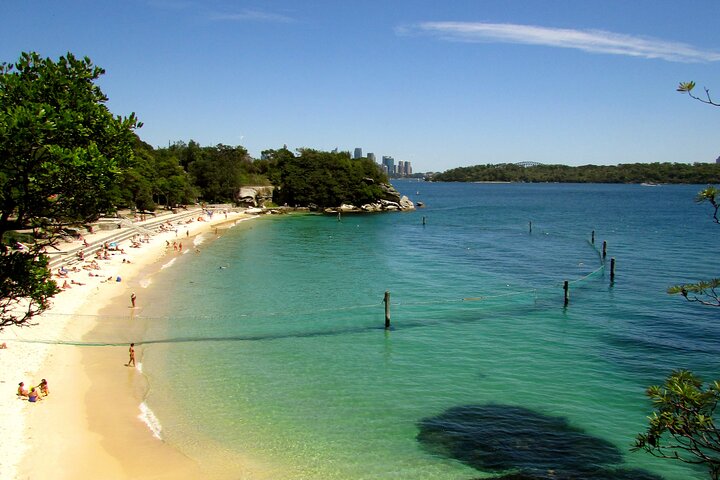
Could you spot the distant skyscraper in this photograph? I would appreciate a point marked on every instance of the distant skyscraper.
(358, 153)
(371, 156)
(389, 163)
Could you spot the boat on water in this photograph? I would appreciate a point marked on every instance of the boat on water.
(650, 184)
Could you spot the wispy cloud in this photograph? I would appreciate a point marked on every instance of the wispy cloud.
(252, 16)
(595, 41)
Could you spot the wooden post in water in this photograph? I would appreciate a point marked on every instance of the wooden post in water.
(530, 225)
(604, 249)
(387, 310)
(592, 238)
(566, 288)
(612, 269)
(423, 219)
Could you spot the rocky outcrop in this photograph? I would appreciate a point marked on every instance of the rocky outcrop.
(391, 201)
(254, 196)
(390, 194)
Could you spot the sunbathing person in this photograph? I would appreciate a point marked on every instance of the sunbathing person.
(22, 391)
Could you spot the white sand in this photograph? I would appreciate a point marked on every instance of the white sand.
(41, 440)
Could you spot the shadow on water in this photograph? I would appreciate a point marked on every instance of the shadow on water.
(522, 444)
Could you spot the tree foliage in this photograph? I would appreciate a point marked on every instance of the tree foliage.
(61, 149)
(183, 173)
(682, 426)
(220, 171)
(25, 287)
(323, 179)
(624, 173)
(687, 87)
(705, 292)
(61, 155)
(709, 195)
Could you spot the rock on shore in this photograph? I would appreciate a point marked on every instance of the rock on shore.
(391, 201)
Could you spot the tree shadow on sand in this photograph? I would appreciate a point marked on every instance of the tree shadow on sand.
(503, 438)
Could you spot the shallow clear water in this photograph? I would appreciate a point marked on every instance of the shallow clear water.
(269, 344)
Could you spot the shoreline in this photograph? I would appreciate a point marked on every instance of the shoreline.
(91, 421)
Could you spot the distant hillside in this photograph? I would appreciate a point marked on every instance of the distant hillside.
(699, 173)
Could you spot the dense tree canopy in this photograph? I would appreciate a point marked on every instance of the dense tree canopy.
(220, 171)
(624, 173)
(61, 154)
(323, 179)
(61, 148)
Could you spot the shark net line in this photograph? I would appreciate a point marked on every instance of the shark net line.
(106, 331)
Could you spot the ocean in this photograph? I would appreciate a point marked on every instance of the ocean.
(265, 353)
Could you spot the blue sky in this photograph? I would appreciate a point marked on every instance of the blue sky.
(439, 83)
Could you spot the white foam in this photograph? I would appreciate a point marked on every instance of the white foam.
(148, 418)
(145, 282)
(168, 264)
(198, 240)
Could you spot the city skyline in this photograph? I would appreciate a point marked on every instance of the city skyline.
(440, 85)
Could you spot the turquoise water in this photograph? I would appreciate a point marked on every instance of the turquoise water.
(266, 352)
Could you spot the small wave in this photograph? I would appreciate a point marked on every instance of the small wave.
(145, 282)
(168, 264)
(139, 367)
(198, 240)
(148, 418)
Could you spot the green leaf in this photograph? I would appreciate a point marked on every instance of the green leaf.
(686, 87)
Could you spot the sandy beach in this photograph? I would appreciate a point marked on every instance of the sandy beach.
(90, 425)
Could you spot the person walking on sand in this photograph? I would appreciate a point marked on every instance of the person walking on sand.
(133, 297)
(131, 362)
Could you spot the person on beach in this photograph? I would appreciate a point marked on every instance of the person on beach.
(22, 391)
(132, 355)
(34, 395)
(133, 297)
(43, 386)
